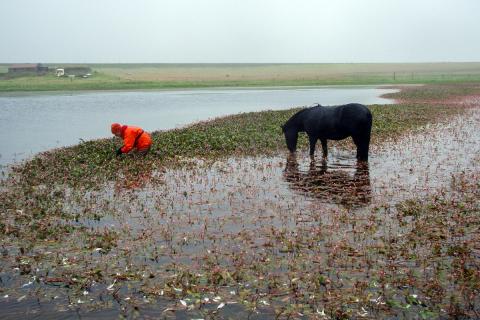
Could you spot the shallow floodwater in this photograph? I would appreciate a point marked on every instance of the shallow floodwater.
(253, 208)
(30, 123)
(415, 166)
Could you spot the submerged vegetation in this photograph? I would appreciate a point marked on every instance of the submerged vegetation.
(213, 223)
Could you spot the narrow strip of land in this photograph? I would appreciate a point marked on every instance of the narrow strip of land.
(168, 76)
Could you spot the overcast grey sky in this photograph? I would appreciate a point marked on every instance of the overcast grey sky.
(165, 31)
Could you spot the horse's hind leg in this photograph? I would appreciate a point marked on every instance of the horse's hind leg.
(363, 144)
(324, 147)
(313, 142)
(362, 151)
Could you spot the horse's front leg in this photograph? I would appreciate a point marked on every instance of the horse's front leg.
(313, 141)
(324, 147)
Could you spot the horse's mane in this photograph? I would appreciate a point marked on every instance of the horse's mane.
(295, 117)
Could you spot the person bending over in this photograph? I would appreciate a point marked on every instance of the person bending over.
(134, 138)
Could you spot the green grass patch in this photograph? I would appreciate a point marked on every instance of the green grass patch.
(105, 82)
(168, 76)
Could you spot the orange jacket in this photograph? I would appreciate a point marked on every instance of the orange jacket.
(135, 137)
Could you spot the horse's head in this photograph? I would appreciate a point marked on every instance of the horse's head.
(291, 137)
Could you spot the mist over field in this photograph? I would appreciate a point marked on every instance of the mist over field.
(230, 31)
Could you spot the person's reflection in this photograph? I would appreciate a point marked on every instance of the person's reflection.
(328, 185)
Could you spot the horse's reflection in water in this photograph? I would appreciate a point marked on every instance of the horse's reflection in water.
(331, 185)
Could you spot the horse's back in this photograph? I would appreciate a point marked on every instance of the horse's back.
(338, 122)
(355, 112)
(350, 110)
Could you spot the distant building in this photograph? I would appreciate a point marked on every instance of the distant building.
(28, 68)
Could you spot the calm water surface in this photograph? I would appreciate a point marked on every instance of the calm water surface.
(31, 123)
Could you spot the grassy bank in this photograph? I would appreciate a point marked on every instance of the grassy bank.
(165, 76)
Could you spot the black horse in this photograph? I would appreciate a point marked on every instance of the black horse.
(334, 123)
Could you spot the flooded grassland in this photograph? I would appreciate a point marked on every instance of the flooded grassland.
(219, 222)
